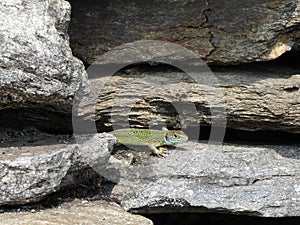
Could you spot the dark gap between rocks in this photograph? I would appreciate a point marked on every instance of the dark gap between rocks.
(288, 59)
(48, 119)
(16, 123)
(216, 219)
(253, 137)
(283, 67)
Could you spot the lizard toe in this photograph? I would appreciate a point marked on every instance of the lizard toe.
(163, 152)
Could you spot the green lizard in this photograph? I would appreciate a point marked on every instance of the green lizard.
(151, 138)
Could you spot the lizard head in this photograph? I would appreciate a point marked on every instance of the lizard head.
(174, 137)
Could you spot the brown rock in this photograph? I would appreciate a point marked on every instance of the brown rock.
(250, 102)
(228, 32)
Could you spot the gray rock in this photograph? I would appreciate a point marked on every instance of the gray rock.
(197, 177)
(229, 32)
(30, 173)
(97, 212)
(36, 62)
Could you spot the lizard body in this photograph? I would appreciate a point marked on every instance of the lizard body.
(151, 138)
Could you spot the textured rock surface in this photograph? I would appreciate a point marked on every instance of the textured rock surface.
(30, 173)
(197, 177)
(257, 97)
(37, 68)
(36, 62)
(227, 32)
(97, 212)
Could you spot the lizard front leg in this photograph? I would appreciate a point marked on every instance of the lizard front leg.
(161, 152)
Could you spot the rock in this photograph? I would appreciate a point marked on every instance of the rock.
(253, 97)
(30, 173)
(36, 63)
(97, 212)
(197, 177)
(230, 32)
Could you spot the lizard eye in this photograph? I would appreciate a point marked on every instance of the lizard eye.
(175, 136)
